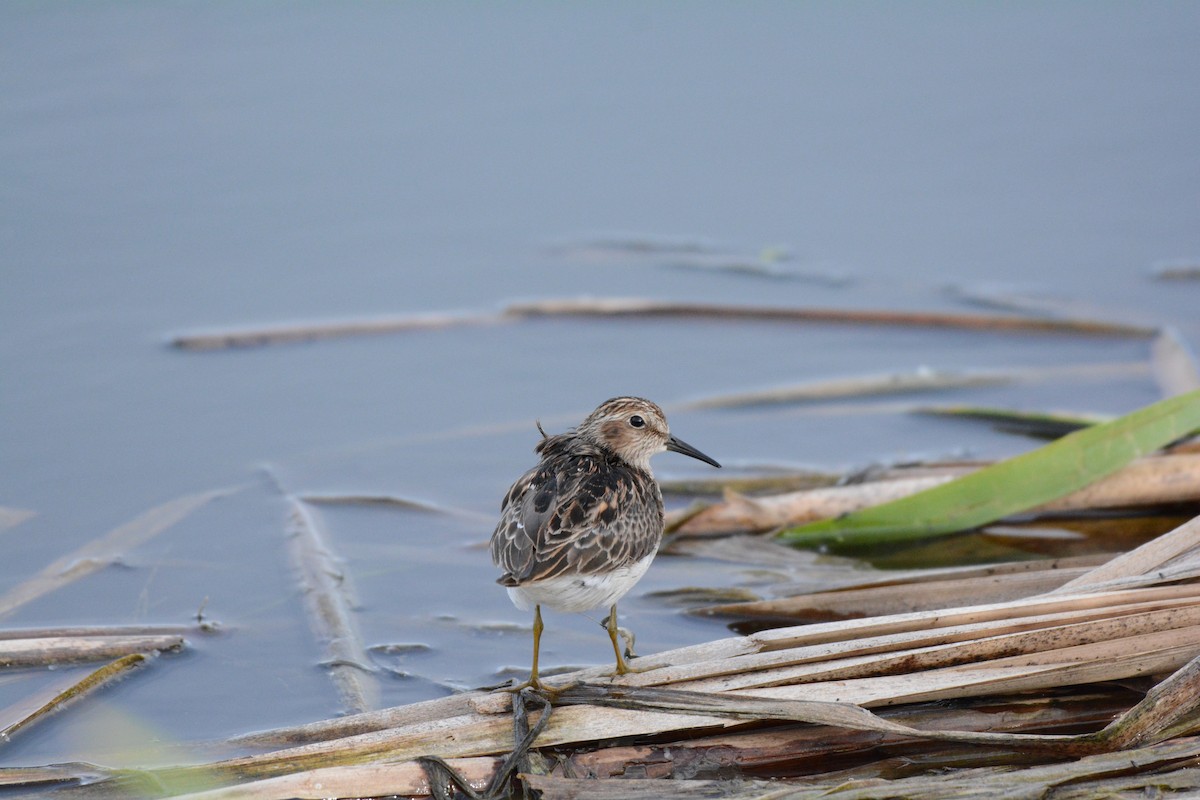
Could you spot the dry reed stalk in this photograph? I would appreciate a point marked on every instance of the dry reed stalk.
(362, 780)
(101, 552)
(859, 386)
(918, 579)
(98, 630)
(1155, 480)
(45, 651)
(334, 329)
(899, 597)
(355, 724)
(1173, 551)
(883, 637)
(635, 307)
(1076, 641)
(323, 582)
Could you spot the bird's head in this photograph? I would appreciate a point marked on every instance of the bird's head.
(635, 429)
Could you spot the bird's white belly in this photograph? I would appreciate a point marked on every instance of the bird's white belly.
(579, 592)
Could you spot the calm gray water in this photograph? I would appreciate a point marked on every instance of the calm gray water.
(172, 167)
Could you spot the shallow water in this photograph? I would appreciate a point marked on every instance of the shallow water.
(170, 168)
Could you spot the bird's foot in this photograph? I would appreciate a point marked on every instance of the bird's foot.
(535, 685)
(627, 668)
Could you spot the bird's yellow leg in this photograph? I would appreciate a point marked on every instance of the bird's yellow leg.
(537, 645)
(533, 681)
(622, 668)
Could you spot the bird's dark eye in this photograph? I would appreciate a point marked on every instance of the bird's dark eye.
(637, 421)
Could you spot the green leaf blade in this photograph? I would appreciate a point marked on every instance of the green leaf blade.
(1016, 484)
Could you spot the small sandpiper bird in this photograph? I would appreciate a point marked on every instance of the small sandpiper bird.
(580, 529)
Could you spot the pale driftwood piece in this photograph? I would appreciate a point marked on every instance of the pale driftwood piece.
(42, 652)
(899, 598)
(1155, 480)
(637, 307)
(68, 695)
(361, 780)
(332, 329)
(1175, 366)
(101, 552)
(12, 517)
(330, 615)
(1181, 543)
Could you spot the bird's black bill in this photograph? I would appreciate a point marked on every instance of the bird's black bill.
(680, 446)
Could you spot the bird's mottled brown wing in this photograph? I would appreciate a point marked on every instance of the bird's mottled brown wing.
(576, 513)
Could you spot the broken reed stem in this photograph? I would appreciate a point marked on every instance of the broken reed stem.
(623, 308)
(94, 681)
(330, 616)
(314, 331)
(46, 651)
(101, 552)
(98, 630)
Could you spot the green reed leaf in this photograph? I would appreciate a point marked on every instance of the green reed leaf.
(1016, 484)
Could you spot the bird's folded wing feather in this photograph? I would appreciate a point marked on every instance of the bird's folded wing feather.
(575, 515)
